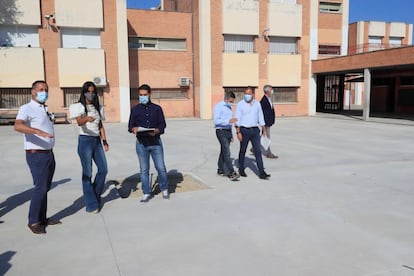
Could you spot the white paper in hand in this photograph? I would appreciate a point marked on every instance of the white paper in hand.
(265, 142)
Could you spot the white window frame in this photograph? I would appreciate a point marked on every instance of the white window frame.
(395, 41)
(162, 44)
(283, 45)
(238, 43)
(19, 36)
(80, 37)
(330, 7)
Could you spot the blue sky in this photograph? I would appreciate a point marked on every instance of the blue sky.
(381, 10)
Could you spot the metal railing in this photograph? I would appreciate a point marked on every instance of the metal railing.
(369, 47)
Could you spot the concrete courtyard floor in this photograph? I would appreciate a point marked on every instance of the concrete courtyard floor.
(340, 201)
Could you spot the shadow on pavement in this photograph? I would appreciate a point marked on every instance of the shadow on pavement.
(5, 259)
(16, 200)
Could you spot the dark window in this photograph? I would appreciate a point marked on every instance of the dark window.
(156, 43)
(162, 93)
(72, 95)
(13, 98)
(329, 50)
(406, 97)
(329, 7)
(407, 81)
(238, 91)
(285, 95)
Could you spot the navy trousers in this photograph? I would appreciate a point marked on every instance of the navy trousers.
(42, 167)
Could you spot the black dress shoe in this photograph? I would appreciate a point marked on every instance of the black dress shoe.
(37, 228)
(264, 175)
(242, 173)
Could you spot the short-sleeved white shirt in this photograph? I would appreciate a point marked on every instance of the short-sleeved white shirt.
(35, 115)
(90, 128)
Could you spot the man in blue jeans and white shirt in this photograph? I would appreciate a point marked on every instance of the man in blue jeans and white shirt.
(147, 122)
(223, 121)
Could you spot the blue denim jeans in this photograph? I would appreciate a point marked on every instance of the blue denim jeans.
(224, 162)
(42, 168)
(156, 151)
(253, 135)
(90, 148)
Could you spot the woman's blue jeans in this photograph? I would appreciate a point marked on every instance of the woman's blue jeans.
(90, 148)
(157, 153)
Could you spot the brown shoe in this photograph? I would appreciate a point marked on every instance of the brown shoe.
(37, 228)
(271, 155)
(50, 221)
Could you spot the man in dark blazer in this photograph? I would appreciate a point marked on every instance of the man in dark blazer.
(269, 114)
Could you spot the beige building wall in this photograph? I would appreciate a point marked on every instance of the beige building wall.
(79, 13)
(77, 65)
(284, 20)
(12, 71)
(28, 12)
(239, 16)
(376, 28)
(122, 60)
(240, 69)
(290, 74)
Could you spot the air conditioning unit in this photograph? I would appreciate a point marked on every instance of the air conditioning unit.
(184, 81)
(99, 81)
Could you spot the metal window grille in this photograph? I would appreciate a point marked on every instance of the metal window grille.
(238, 92)
(168, 93)
(283, 45)
(72, 95)
(329, 50)
(156, 43)
(13, 98)
(285, 95)
(239, 43)
(329, 7)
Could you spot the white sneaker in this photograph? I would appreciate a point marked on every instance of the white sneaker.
(165, 194)
(145, 198)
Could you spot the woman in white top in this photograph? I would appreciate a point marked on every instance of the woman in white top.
(91, 144)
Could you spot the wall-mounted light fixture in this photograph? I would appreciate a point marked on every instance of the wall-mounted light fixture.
(48, 17)
(264, 34)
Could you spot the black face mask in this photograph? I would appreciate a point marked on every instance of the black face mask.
(90, 96)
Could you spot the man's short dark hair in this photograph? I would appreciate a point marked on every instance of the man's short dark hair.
(37, 82)
(145, 87)
(229, 95)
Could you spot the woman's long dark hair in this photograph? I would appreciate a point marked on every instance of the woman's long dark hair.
(95, 101)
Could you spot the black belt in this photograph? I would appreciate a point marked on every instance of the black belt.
(248, 127)
(38, 151)
(227, 129)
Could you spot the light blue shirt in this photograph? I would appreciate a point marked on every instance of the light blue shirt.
(249, 114)
(222, 115)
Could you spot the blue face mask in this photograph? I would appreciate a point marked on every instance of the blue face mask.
(272, 92)
(248, 98)
(41, 96)
(228, 104)
(143, 99)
